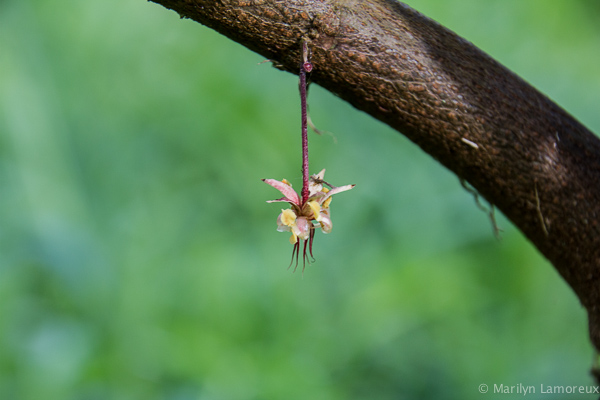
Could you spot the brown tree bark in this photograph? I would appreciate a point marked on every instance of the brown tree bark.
(522, 152)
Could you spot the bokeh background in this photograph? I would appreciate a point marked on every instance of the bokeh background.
(139, 260)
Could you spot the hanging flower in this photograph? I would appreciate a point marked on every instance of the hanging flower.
(303, 217)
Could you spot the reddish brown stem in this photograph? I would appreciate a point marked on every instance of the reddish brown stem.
(306, 67)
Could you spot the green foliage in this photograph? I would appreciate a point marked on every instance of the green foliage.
(139, 260)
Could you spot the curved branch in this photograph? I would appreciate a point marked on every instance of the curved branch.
(522, 152)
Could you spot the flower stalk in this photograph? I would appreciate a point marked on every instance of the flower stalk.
(310, 209)
(305, 69)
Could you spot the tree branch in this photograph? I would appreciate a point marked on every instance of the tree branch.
(522, 152)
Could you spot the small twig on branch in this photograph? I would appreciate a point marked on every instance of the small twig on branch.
(491, 212)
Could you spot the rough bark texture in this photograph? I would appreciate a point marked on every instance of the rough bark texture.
(522, 152)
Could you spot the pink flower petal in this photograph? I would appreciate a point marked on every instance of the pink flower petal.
(283, 199)
(333, 191)
(285, 189)
(325, 222)
(302, 228)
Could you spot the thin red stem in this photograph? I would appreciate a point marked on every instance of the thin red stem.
(295, 252)
(304, 70)
(305, 172)
(304, 257)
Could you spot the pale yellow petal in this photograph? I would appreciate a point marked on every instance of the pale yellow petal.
(288, 217)
(315, 208)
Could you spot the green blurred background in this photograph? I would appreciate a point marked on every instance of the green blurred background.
(139, 260)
